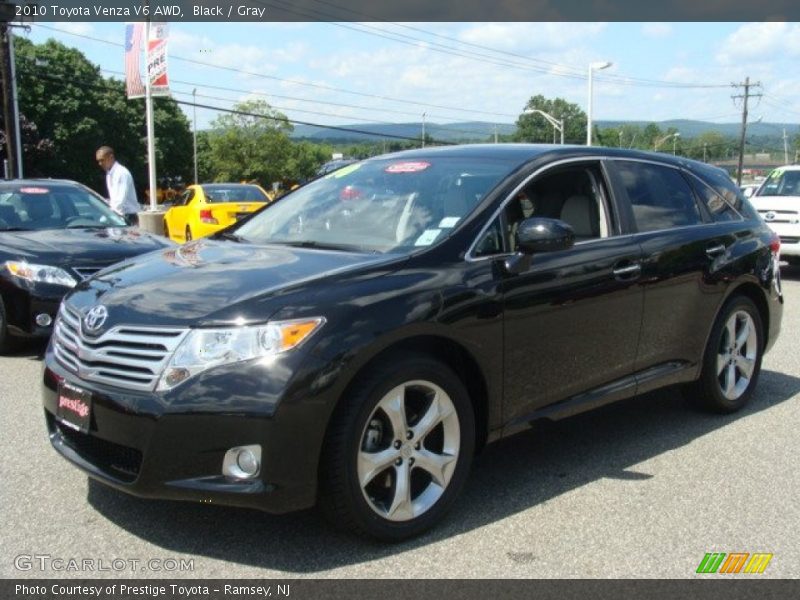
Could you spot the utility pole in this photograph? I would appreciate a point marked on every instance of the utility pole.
(705, 148)
(11, 124)
(785, 148)
(746, 96)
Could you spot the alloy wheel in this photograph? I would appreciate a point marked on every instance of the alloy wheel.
(737, 354)
(409, 450)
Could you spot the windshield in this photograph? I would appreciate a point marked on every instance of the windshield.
(381, 205)
(53, 206)
(781, 182)
(234, 193)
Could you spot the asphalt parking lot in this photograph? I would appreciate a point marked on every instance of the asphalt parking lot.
(643, 488)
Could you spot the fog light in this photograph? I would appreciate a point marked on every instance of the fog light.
(242, 462)
(44, 320)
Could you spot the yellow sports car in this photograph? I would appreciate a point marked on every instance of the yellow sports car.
(205, 209)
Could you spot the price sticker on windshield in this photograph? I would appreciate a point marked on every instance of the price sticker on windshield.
(407, 167)
(33, 190)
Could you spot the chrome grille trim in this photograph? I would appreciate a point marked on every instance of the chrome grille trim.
(125, 356)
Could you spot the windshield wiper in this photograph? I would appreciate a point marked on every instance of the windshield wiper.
(229, 235)
(16, 229)
(320, 245)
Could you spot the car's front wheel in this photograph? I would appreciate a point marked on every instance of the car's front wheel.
(732, 360)
(5, 337)
(399, 451)
(188, 234)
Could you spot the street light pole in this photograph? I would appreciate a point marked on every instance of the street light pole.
(660, 141)
(423, 130)
(194, 132)
(558, 124)
(595, 66)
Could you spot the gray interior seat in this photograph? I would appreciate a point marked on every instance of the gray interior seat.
(579, 212)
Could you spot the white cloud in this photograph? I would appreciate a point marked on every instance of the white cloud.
(756, 42)
(526, 37)
(77, 28)
(656, 30)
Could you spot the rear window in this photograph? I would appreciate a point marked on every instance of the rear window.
(234, 193)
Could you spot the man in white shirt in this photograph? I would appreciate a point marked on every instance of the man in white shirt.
(121, 193)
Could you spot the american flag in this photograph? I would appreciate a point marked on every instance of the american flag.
(133, 48)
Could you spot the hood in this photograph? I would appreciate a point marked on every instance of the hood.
(211, 282)
(78, 246)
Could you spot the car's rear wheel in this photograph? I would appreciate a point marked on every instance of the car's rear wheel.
(732, 360)
(188, 234)
(399, 451)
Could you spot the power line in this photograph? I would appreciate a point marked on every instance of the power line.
(292, 81)
(106, 87)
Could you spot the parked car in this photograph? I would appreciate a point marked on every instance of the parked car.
(356, 342)
(53, 234)
(778, 202)
(207, 208)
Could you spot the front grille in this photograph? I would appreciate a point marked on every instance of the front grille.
(789, 240)
(125, 356)
(118, 461)
(780, 216)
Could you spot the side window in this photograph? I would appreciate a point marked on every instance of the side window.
(186, 198)
(491, 242)
(719, 209)
(660, 197)
(573, 194)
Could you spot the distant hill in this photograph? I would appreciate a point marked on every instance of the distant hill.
(480, 131)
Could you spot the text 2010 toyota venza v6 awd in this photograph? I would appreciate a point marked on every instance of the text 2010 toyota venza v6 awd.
(356, 342)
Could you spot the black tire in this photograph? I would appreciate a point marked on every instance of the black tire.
(188, 234)
(6, 341)
(725, 385)
(166, 230)
(356, 432)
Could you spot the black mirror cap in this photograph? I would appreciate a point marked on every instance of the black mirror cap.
(544, 235)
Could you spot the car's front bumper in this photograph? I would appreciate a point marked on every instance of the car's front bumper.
(24, 303)
(146, 445)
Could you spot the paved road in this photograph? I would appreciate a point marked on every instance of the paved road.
(640, 489)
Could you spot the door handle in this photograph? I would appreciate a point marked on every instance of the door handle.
(631, 271)
(714, 251)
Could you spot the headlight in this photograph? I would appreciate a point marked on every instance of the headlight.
(40, 273)
(203, 349)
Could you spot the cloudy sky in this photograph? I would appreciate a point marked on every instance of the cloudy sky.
(343, 73)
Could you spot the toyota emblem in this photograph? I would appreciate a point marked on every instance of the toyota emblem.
(770, 216)
(95, 318)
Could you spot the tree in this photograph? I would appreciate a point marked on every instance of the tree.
(535, 128)
(79, 110)
(250, 144)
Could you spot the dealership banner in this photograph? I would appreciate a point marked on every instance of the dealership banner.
(133, 49)
(157, 59)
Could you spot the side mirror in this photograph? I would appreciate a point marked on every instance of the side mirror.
(544, 235)
(749, 192)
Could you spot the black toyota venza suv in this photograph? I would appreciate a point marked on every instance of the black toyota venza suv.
(355, 343)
